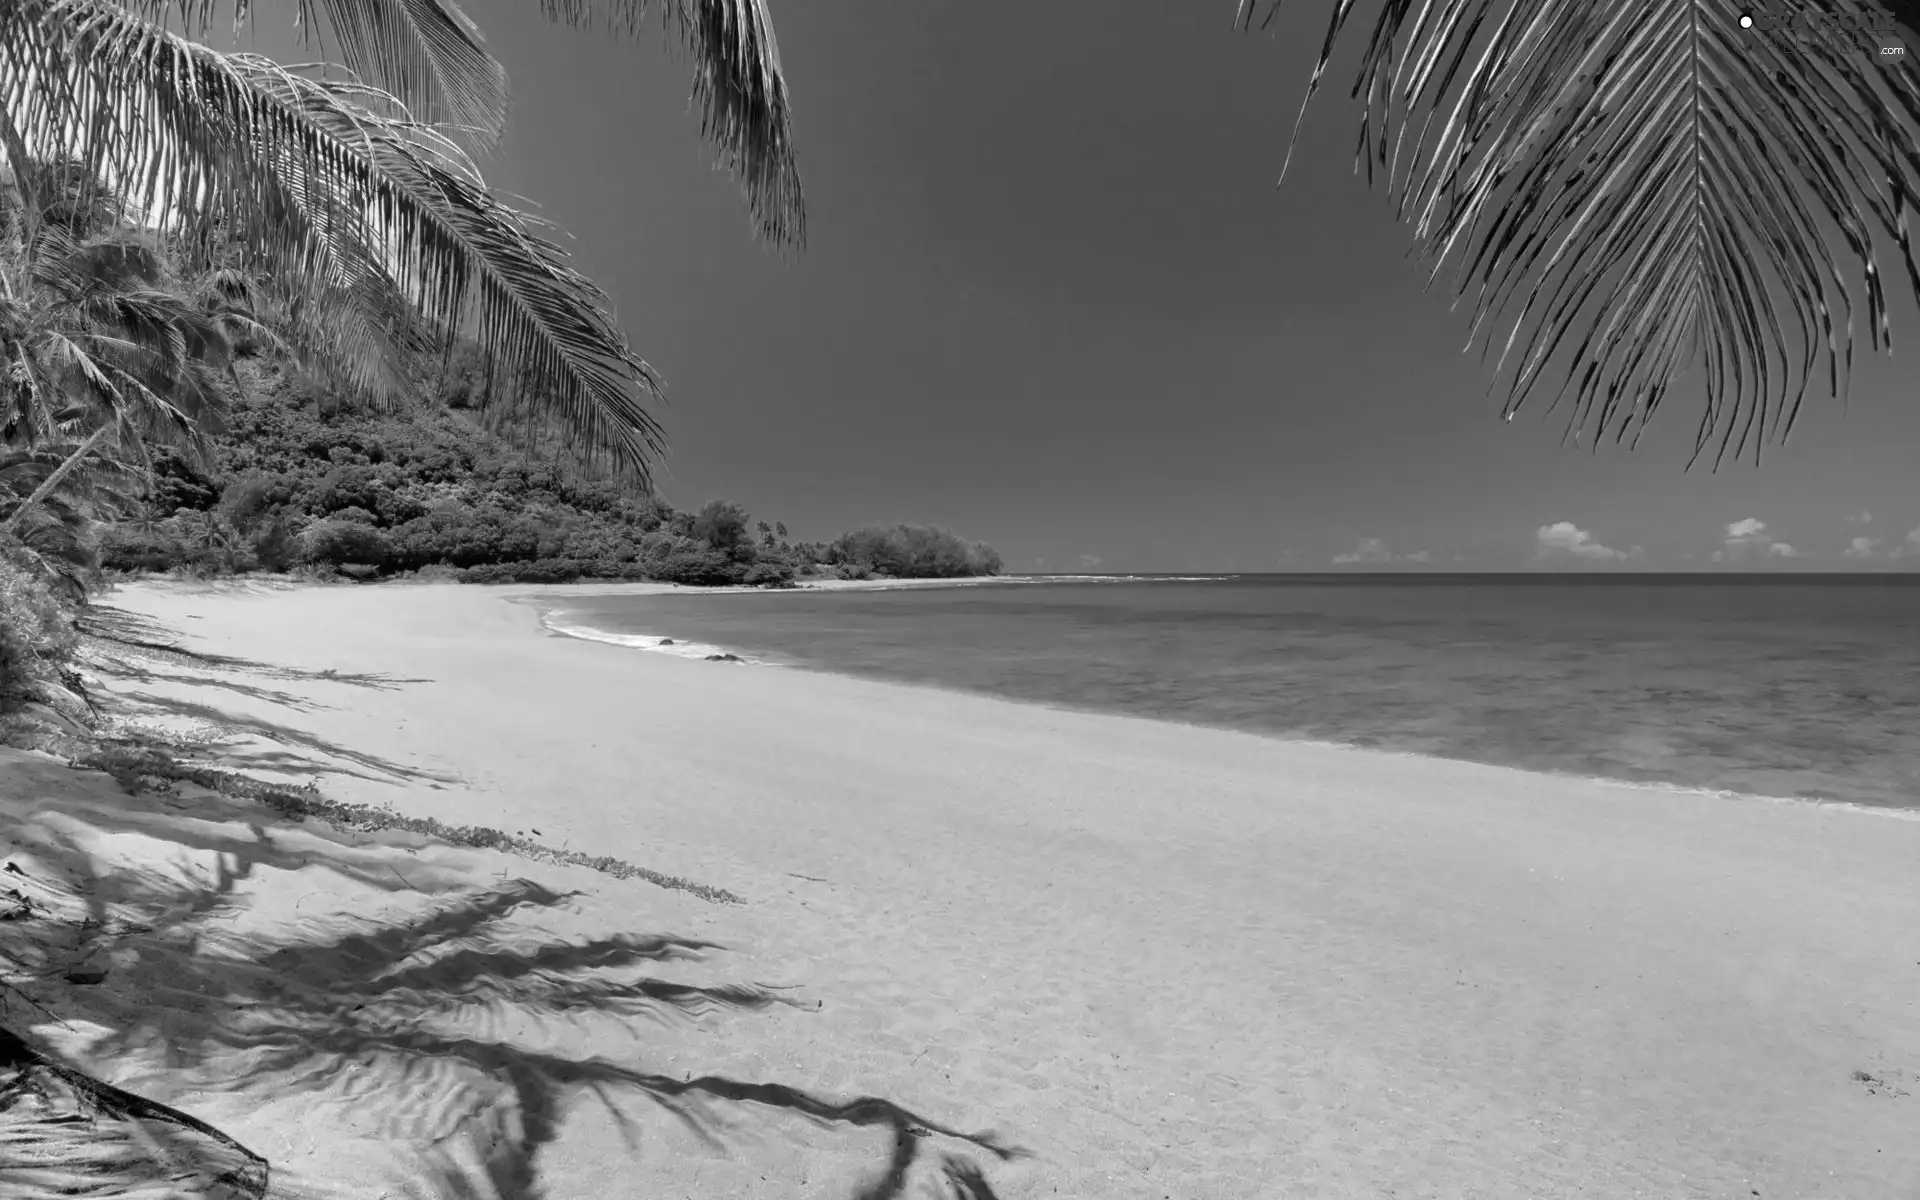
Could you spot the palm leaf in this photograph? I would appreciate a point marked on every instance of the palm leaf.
(65, 1133)
(739, 88)
(201, 140)
(432, 58)
(425, 51)
(1645, 186)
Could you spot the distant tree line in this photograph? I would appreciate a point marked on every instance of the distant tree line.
(295, 481)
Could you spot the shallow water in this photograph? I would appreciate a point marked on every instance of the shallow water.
(1799, 687)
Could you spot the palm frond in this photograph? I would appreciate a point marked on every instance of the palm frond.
(739, 88)
(426, 52)
(432, 58)
(65, 1133)
(349, 326)
(1645, 186)
(308, 173)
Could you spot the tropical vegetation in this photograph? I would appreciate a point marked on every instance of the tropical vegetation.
(298, 482)
(350, 195)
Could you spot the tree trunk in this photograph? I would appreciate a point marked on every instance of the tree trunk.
(53, 481)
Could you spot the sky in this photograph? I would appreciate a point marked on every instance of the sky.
(1053, 300)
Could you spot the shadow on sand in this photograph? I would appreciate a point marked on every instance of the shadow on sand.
(128, 649)
(428, 1009)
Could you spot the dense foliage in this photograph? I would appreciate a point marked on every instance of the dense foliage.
(36, 630)
(296, 481)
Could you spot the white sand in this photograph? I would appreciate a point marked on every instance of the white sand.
(1173, 962)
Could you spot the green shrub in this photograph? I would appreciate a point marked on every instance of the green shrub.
(248, 498)
(178, 484)
(550, 570)
(914, 552)
(276, 545)
(699, 568)
(337, 542)
(770, 573)
(722, 525)
(36, 628)
(140, 548)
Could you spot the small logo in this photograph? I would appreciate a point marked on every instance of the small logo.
(1838, 31)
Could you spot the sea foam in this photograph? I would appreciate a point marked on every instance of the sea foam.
(654, 642)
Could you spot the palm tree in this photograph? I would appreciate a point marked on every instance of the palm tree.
(355, 190)
(96, 341)
(1642, 185)
(55, 534)
(354, 184)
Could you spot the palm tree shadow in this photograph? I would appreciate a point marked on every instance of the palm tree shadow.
(133, 670)
(118, 636)
(148, 704)
(425, 1007)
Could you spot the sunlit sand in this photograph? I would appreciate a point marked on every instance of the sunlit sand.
(1165, 961)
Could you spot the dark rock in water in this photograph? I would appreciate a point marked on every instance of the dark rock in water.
(724, 658)
(85, 975)
(666, 641)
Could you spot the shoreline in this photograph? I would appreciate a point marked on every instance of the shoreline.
(1166, 958)
(654, 643)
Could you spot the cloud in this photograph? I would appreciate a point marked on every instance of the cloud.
(1862, 547)
(1376, 550)
(1749, 539)
(1909, 546)
(1566, 538)
(1860, 518)
(1091, 560)
(1367, 550)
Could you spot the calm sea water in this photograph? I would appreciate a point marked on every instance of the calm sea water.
(1804, 687)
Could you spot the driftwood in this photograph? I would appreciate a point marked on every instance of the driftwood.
(64, 1133)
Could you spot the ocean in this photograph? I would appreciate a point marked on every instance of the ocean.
(1802, 687)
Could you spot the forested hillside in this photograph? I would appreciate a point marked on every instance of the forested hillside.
(297, 481)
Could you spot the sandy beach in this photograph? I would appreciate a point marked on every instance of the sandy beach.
(1166, 962)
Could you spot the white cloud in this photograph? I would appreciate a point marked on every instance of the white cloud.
(1366, 550)
(1862, 547)
(1566, 538)
(1749, 539)
(1375, 551)
(1090, 561)
(1860, 518)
